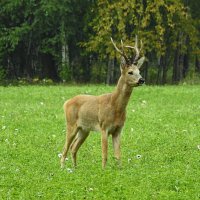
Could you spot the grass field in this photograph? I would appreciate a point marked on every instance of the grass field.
(160, 152)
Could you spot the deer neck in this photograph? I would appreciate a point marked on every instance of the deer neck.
(121, 95)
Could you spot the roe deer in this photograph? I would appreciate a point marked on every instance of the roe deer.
(105, 113)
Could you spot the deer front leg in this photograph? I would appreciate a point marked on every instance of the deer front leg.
(116, 146)
(104, 145)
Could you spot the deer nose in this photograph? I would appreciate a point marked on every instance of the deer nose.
(141, 81)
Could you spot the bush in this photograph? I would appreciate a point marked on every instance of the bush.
(2, 74)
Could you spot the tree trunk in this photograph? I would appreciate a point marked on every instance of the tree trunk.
(175, 77)
(99, 77)
(65, 72)
(12, 71)
(178, 63)
(65, 66)
(186, 59)
(110, 72)
(48, 67)
(65, 54)
(185, 65)
(146, 70)
(28, 68)
(165, 69)
(28, 59)
(197, 65)
(86, 69)
(159, 70)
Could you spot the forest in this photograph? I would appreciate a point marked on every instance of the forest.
(69, 40)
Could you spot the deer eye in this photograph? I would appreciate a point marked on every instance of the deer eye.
(131, 73)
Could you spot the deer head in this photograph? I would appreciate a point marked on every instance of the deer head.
(130, 65)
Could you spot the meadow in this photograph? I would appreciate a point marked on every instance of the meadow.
(160, 146)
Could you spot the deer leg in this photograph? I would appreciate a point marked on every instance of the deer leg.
(116, 147)
(80, 138)
(71, 133)
(104, 146)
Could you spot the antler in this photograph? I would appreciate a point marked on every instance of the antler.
(136, 49)
(122, 53)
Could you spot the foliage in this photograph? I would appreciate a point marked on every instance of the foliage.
(160, 146)
(32, 41)
(2, 74)
(153, 21)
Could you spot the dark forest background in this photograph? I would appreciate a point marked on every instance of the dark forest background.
(69, 40)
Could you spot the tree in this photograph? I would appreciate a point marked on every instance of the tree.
(43, 40)
(164, 27)
(193, 7)
(70, 40)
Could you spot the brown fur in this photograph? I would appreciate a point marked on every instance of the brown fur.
(105, 113)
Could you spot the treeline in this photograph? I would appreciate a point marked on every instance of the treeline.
(69, 40)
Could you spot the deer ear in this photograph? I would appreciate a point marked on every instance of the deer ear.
(140, 62)
(123, 63)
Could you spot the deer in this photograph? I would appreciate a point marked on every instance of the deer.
(105, 113)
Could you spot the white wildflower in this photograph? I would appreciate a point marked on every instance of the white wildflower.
(138, 156)
(129, 159)
(132, 129)
(60, 155)
(17, 170)
(144, 102)
(69, 170)
(90, 189)
(198, 146)
(3, 127)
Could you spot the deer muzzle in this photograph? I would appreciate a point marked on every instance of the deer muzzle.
(141, 81)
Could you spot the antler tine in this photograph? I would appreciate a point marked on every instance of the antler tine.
(136, 49)
(116, 47)
(122, 45)
(121, 52)
(136, 41)
(141, 45)
(124, 54)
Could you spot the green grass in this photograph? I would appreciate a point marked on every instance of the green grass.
(163, 126)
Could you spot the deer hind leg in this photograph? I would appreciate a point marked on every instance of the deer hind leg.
(79, 140)
(71, 133)
(116, 147)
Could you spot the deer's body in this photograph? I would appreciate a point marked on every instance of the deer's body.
(88, 112)
(105, 113)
